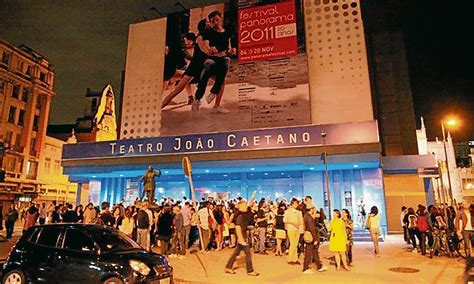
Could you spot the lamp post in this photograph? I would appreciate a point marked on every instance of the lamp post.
(325, 156)
(450, 122)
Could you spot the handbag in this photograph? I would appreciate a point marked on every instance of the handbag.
(307, 237)
(225, 232)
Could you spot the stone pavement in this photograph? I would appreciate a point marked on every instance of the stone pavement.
(367, 268)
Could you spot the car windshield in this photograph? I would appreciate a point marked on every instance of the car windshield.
(110, 240)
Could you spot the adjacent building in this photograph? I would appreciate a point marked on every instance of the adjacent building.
(26, 90)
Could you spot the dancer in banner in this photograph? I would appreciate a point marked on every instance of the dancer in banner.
(217, 64)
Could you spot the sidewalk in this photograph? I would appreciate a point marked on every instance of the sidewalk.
(367, 268)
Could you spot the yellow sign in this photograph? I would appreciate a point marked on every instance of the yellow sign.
(104, 118)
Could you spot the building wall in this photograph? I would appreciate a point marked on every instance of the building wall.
(26, 89)
(55, 185)
(402, 190)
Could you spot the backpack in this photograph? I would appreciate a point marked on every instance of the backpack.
(422, 224)
(412, 223)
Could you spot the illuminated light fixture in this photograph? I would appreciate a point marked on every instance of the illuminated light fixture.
(121, 175)
(260, 191)
(207, 191)
(252, 169)
(161, 190)
(282, 174)
(166, 172)
(206, 171)
(356, 166)
(93, 176)
(311, 168)
(266, 174)
(226, 175)
(290, 191)
(451, 122)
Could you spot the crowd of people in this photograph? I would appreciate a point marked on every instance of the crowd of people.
(449, 225)
(295, 227)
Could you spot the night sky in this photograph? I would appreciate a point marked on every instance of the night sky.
(87, 40)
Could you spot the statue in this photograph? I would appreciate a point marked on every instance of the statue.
(149, 184)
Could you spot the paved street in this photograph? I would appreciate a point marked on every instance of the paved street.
(367, 269)
(273, 269)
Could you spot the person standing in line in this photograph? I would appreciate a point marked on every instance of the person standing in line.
(89, 214)
(143, 227)
(406, 236)
(178, 234)
(219, 225)
(311, 252)
(338, 240)
(186, 212)
(411, 221)
(373, 224)
(424, 228)
(349, 225)
(69, 216)
(464, 226)
(106, 216)
(293, 221)
(204, 216)
(262, 224)
(241, 224)
(11, 218)
(127, 224)
(165, 228)
(361, 214)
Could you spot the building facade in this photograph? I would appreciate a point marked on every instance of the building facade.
(26, 90)
(54, 184)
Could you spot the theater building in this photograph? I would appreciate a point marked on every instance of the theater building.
(300, 102)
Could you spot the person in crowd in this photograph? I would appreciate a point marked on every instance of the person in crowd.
(424, 228)
(127, 225)
(49, 212)
(143, 226)
(42, 214)
(178, 244)
(338, 240)
(56, 216)
(205, 215)
(79, 213)
(280, 233)
(349, 225)
(89, 214)
(31, 217)
(118, 217)
(411, 223)
(241, 225)
(361, 212)
(10, 220)
(463, 223)
(186, 212)
(165, 231)
(262, 224)
(106, 216)
(70, 215)
(293, 222)
(406, 236)
(219, 217)
(229, 223)
(194, 234)
(311, 252)
(373, 224)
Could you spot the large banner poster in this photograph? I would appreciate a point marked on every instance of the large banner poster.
(241, 65)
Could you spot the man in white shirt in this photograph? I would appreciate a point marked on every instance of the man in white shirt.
(204, 214)
(186, 212)
(293, 221)
(464, 226)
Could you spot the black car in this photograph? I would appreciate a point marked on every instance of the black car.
(80, 253)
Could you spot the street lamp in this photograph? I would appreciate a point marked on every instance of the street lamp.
(325, 156)
(450, 122)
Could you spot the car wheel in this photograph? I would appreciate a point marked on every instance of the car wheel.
(14, 277)
(113, 280)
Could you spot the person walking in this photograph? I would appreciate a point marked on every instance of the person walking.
(241, 224)
(10, 220)
(31, 217)
(262, 224)
(293, 222)
(311, 252)
(373, 225)
(338, 240)
(349, 225)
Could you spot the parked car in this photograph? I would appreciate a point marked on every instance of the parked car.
(82, 253)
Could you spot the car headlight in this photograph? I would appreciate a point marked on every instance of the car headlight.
(139, 267)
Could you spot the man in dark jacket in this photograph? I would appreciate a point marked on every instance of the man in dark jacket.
(106, 216)
(70, 216)
(312, 248)
(10, 220)
(143, 226)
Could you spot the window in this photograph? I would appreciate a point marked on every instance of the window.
(21, 117)
(113, 241)
(38, 104)
(34, 235)
(5, 58)
(57, 166)
(43, 77)
(31, 169)
(77, 240)
(2, 86)
(94, 104)
(29, 70)
(47, 165)
(36, 123)
(26, 94)
(20, 66)
(18, 139)
(8, 137)
(11, 114)
(32, 146)
(16, 91)
(49, 236)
